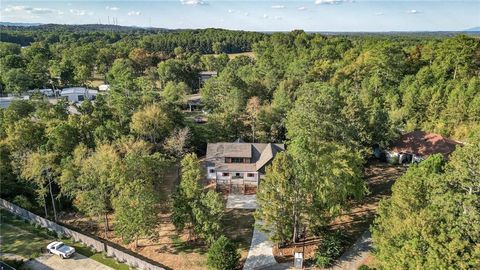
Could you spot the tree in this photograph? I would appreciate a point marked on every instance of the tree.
(178, 143)
(151, 123)
(91, 179)
(175, 93)
(222, 255)
(62, 138)
(279, 200)
(200, 212)
(16, 81)
(135, 212)
(252, 110)
(431, 220)
(187, 194)
(42, 170)
(208, 212)
(217, 47)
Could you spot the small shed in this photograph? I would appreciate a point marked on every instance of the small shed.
(78, 94)
(203, 76)
(417, 145)
(194, 102)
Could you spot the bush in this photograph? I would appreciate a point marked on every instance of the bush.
(364, 267)
(23, 202)
(329, 249)
(222, 255)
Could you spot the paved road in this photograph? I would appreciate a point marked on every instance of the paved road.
(53, 262)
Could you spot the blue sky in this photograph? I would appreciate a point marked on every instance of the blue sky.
(266, 15)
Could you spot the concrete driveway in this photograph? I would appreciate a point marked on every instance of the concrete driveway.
(238, 201)
(53, 262)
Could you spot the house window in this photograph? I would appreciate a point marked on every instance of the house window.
(80, 97)
(237, 174)
(237, 160)
(250, 175)
(212, 171)
(225, 174)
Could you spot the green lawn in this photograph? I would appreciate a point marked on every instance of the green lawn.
(26, 240)
(21, 242)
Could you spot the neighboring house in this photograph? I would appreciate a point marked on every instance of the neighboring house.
(78, 94)
(203, 76)
(239, 161)
(418, 145)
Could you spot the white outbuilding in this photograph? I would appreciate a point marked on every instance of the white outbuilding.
(104, 87)
(78, 94)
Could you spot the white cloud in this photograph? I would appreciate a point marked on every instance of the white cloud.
(378, 13)
(278, 18)
(192, 2)
(31, 10)
(278, 6)
(112, 8)
(230, 11)
(265, 16)
(80, 12)
(331, 2)
(134, 13)
(247, 14)
(413, 11)
(16, 8)
(301, 8)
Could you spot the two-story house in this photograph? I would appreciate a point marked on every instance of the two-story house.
(239, 161)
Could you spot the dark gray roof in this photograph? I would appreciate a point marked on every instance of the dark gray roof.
(259, 153)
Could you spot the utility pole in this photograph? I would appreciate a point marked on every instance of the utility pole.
(48, 176)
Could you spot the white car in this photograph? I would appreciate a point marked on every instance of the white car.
(60, 249)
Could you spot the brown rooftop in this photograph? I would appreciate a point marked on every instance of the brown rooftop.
(424, 144)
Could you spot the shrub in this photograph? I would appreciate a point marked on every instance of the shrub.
(364, 267)
(23, 202)
(222, 255)
(329, 249)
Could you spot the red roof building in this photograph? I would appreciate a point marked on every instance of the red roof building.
(424, 144)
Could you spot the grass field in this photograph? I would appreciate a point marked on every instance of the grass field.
(21, 238)
(21, 242)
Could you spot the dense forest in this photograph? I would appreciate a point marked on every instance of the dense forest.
(329, 98)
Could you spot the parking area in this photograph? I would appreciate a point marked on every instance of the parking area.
(237, 201)
(53, 262)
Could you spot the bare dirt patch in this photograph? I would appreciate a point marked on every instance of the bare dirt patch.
(171, 248)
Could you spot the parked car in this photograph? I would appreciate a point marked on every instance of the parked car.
(60, 249)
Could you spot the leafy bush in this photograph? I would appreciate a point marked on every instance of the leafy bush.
(364, 267)
(222, 255)
(23, 202)
(329, 249)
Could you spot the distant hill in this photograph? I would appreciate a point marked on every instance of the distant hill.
(473, 29)
(18, 24)
(79, 27)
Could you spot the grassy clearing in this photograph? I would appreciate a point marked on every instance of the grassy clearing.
(238, 225)
(21, 238)
(20, 242)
